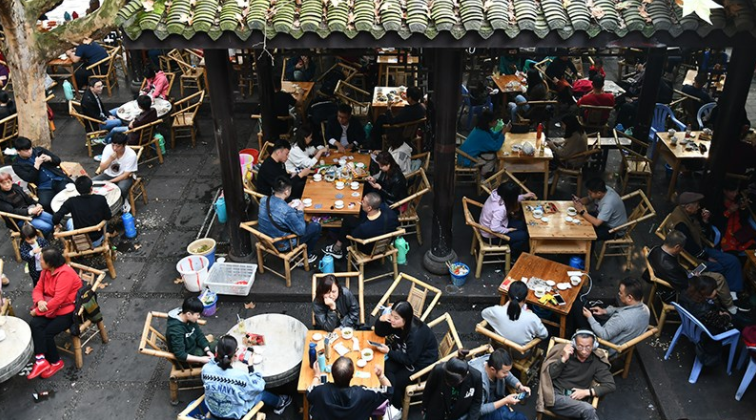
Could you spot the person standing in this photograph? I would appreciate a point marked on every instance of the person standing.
(496, 380)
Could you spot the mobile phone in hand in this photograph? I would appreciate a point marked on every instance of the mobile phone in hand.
(374, 344)
(522, 395)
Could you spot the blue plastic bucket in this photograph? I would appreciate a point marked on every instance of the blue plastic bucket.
(210, 307)
(196, 248)
(577, 262)
(459, 280)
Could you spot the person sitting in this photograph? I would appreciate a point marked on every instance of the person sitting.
(230, 393)
(597, 97)
(665, 261)
(338, 401)
(184, 336)
(118, 164)
(567, 377)
(575, 141)
(282, 102)
(92, 107)
(389, 182)
(300, 69)
(497, 379)
(40, 167)
(693, 222)
(732, 217)
(277, 219)
(31, 251)
(597, 68)
(88, 53)
(334, 306)
(510, 63)
(147, 116)
(557, 69)
(157, 84)
(453, 391)
(697, 89)
(274, 166)
(483, 142)
(411, 346)
(610, 210)
(502, 214)
(413, 111)
(53, 302)
(627, 321)
(514, 320)
(344, 130)
(7, 107)
(303, 153)
(14, 200)
(86, 210)
(375, 219)
(537, 91)
(401, 152)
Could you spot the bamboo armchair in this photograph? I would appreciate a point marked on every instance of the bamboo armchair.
(191, 77)
(168, 75)
(546, 411)
(627, 349)
(154, 343)
(689, 105)
(634, 164)
(537, 113)
(577, 173)
(91, 125)
(348, 71)
(137, 189)
(147, 139)
(6, 309)
(183, 121)
(77, 243)
(424, 160)
(594, 118)
(15, 231)
(623, 246)
(360, 100)
(492, 182)
(289, 127)
(524, 365)
(665, 227)
(377, 248)
(250, 189)
(467, 175)
(406, 131)
(409, 218)
(415, 389)
(109, 77)
(189, 412)
(483, 247)
(344, 280)
(8, 132)
(94, 278)
(661, 315)
(416, 297)
(295, 255)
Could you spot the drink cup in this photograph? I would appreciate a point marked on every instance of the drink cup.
(342, 161)
(539, 291)
(317, 177)
(571, 211)
(307, 202)
(339, 184)
(355, 185)
(537, 213)
(338, 204)
(347, 333)
(671, 132)
(575, 280)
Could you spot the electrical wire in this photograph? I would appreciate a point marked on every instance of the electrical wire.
(590, 286)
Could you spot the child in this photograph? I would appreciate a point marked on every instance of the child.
(31, 247)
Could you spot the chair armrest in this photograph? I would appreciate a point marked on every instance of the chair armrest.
(254, 411)
(95, 228)
(620, 348)
(142, 127)
(476, 161)
(481, 329)
(103, 61)
(15, 216)
(186, 110)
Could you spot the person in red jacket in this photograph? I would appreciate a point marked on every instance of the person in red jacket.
(54, 299)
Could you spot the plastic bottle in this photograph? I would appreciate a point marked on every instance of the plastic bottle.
(220, 210)
(368, 129)
(499, 126)
(688, 130)
(68, 90)
(327, 348)
(321, 361)
(313, 354)
(129, 225)
(539, 131)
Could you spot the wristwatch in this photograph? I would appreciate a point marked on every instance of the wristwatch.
(581, 212)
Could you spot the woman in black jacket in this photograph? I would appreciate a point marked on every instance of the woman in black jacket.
(390, 182)
(411, 346)
(14, 200)
(453, 391)
(334, 306)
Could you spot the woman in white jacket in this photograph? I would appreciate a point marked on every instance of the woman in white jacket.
(502, 214)
(303, 153)
(402, 154)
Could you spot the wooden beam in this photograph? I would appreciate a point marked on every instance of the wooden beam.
(649, 92)
(265, 87)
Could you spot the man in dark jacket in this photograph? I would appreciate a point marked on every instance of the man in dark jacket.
(184, 336)
(41, 167)
(274, 166)
(92, 107)
(344, 130)
(453, 391)
(86, 210)
(338, 400)
(413, 111)
(376, 219)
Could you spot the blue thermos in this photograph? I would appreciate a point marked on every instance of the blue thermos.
(326, 264)
(321, 361)
(129, 225)
(313, 355)
(577, 262)
(220, 210)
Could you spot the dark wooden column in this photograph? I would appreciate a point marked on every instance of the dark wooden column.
(649, 92)
(447, 77)
(265, 85)
(730, 106)
(221, 95)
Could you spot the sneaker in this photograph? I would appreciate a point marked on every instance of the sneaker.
(311, 258)
(395, 413)
(743, 305)
(5, 280)
(54, 368)
(40, 366)
(329, 250)
(284, 402)
(98, 141)
(98, 158)
(126, 208)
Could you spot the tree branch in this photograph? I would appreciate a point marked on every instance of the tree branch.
(61, 38)
(35, 8)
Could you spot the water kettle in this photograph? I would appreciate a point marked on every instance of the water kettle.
(403, 247)
(326, 264)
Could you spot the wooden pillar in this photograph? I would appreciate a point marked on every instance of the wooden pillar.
(265, 86)
(649, 92)
(447, 77)
(221, 95)
(730, 107)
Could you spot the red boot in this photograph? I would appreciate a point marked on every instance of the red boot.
(54, 368)
(40, 366)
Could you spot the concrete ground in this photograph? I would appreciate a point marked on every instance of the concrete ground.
(116, 382)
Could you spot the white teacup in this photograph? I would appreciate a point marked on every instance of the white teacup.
(671, 132)
(571, 211)
(539, 291)
(342, 161)
(367, 354)
(307, 202)
(537, 213)
(575, 280)
(317, 177)
(347, 333)
(338, 204)
(339, 184)
(355, 185)
(361, 363)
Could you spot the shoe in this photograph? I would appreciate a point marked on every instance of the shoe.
(54, 368)
(743, 305)
(395, 413)
(312, 258)
(98, 158)
(40, 366)
(126, 208)
(283, 403)
(98, 141)
(328, 250)
(5, 280)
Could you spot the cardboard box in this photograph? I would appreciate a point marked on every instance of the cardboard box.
(73, 169)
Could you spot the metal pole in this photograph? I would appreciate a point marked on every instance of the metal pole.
(447, 77)
(649, 92)
(265, 85)
(221, 94)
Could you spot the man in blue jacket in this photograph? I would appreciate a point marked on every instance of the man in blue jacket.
(495, 369)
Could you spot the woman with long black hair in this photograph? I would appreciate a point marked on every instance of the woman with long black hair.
(575, 141)
(513, 320)
(390, 182)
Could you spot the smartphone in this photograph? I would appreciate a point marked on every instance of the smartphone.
(698, 270)
(323, 378)
(523, 395)
(559, 299)
(375, 344)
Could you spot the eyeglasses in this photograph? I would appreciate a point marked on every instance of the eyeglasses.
(584, 347)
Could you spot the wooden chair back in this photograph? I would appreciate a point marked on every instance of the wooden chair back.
(145, 132)
(109, 76)
(664, 228)
(529, 354)
(9, 128)
(360, 100)
(450, 341)
(416, 296)
(270, 243)
(643, 211)
(626, 350)
(418, 186)
(406, 131)
(348, 71)
(378, 245)
(477, 227)
(186, 109)
(90, 124)
(183, 62)
(344, 280)
(195, 408)
(251, 189)
(637, 150)
(594, 116)
(78, 241)
(154, 343)
(265, 151)
(657, 283)
(424, 159)
(484, 329)
(491, 183)
(15, 231)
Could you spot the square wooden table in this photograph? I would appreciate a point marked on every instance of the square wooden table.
(324, 192)
(380, 107)
(557, 235)
(306, 373)
(528, 266)
(68, 65)
(518, 85)
(518, 163)
(677, 155)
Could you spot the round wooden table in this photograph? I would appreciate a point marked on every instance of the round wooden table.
(283, 349)
(109, 190)
(130, 110)
(17, 348)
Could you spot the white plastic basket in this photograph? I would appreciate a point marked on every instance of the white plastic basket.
(226, 278)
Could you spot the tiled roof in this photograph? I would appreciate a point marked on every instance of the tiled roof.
(427, 18)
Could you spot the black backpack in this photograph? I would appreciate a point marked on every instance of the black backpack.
(86, 298)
